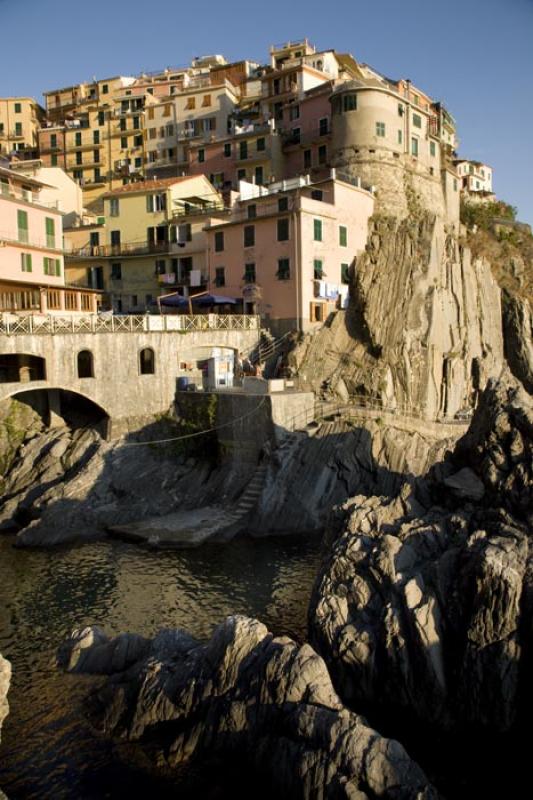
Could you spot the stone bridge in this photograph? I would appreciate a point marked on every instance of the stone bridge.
(128, 367)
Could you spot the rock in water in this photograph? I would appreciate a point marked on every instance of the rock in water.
(424, 606)
(244, 693)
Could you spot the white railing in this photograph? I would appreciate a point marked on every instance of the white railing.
(131, 323)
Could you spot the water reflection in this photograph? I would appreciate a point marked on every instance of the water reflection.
(47, 750)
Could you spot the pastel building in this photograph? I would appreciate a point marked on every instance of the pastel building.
(474, 176)
(287, 251)
(152, 243)
(31, 251)
(20, 120)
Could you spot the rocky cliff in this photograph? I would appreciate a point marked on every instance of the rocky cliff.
(425, 603)
(243, 695)
(518, 333)
(5, 680)
(423, 331)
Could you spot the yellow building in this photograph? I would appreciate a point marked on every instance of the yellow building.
(153, 242)
(20, 119)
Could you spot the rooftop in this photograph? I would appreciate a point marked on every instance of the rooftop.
(149, 186)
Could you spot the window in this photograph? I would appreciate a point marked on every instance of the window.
(2, 127)
(322, 154)
(115, 238)
(249, 235)
(123, 124)
(79, 158)
(295, 136)
(96, 156)
(417, 121)
(53, 140)
(307, 159)
(241, 174)
(400, 137)
(317, 230)
(317, 312)
(170, 130)
(252, 211)
(78, 139)
(101, 117)
(25, 262)
(105, 88)
(160, 266)
(123, 142)
(114, 207)
(318, 269)
(52, 266)
(276, 85)
(156, 202)
(243, 150)
(349, 102)
(345, 273)
(432, 149)
(227, 150)
(136, 122)
(455, 184)
(258, 174)
(22, 222)
(53, 160)
(343, 236)
(294, 112)
(220, 276)
(283, 204)
(116, 272)
(317, 194)
(323, 126)
(201, 155)
(380, 129)
(146, 357)
(283, 229)
(284, 271)
(85, 364)
(414, 146)
(138, 162)
(50, 232)
(138, 141)
(185, 232)
(191, 103)
(18, 108)
(219, 241)
(96, 137)
(18, 128)
(249, 273)
(261, 144)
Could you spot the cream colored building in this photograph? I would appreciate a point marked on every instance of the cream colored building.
(20, 119)
(153, 242)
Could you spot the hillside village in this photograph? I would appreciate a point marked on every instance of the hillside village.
(246, 181)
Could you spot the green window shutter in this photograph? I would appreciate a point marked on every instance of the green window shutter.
(58, 267)
(317, 229)
(22, 221)
(50, 232)
(318, 270)
(343, 236)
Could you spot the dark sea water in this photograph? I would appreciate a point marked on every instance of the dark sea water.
(47, 749)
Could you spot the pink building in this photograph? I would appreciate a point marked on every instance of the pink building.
(31, 251)
(307, 132)
(287, 251)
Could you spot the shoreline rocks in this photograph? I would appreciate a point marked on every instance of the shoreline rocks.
(242, 694)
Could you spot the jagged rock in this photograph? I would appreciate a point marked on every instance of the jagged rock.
(5, 680)
(248, 695)
(518, 333)
(424, 604)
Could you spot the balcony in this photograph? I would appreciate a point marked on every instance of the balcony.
(171, 280)
(128, 249)
(192, 211)
(290, 138)
(256, 155)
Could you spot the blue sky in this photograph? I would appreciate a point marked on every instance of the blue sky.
(475, 55)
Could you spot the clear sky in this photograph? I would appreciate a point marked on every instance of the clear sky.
(475, 55)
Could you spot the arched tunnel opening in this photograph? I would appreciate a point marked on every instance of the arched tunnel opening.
(58, 407)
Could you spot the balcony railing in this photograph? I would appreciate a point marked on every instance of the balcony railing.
(27, 241)
(109, 323)
(126, 249)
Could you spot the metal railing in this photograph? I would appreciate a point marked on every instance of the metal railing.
(126, 249)
(103, 323)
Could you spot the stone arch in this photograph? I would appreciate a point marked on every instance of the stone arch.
(61, 405)
(147, 361)
(85, 364)
(22, 368)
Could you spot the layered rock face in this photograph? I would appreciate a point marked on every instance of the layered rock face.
(425, 603)
(518, 330)
(5, 680)
(423, 331)
(244, 694)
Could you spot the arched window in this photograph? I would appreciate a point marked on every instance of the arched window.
(147, 361)
(85, 364)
